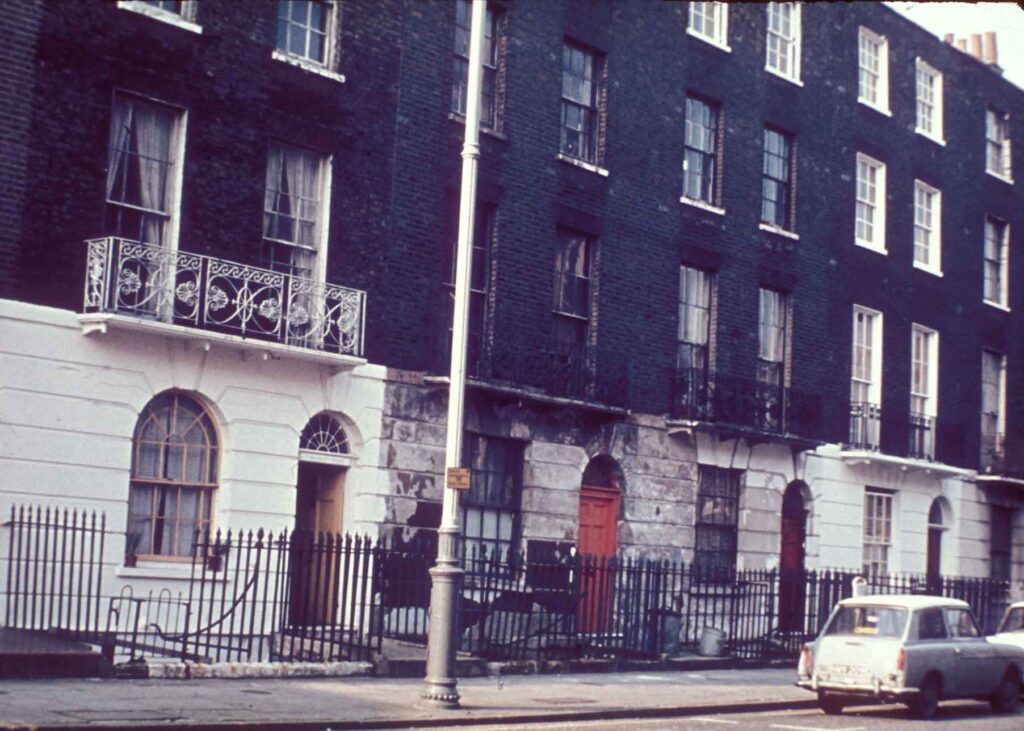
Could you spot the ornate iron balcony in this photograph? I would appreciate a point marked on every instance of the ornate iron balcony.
(550, 368)
(744, 402)
(922, 437)
(993, 452)
(865, 425)
(181, 288)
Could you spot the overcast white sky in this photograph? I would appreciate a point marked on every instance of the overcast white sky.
(963, 19)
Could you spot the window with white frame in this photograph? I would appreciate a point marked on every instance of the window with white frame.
(700, 148)
(174, 476)
(997, 237)
(866, 378)
(694, 318)
(783, 40)
(877, 531)
(776, 193)
(293, 215)
(490, 508)
(710, 22)
(870, 214)
(580, 103)
(927, 227)
(997, 143)
(143, 170)
(460, 72)
(993, 406)
(305, 29)
(929, 101)
(873, 60)
(923, 390)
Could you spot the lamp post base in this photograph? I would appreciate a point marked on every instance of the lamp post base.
(440, 688)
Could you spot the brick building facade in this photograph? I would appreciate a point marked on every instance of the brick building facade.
(694, 220)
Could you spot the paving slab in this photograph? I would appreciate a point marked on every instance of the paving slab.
(379, 703)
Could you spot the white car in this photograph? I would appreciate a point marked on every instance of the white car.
(908, 649)
(1011, 628)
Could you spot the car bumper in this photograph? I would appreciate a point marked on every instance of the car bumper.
(877, 690)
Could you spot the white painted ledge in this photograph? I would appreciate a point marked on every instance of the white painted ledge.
(779, 74)
(709, 40)
(101, 323)
(307, 66)
(779, 231)
(585, 165)
(702, 205)
(1000, 177)
(862, 456)
(928, 269)
(876, 107)
(165, 16)
(929, 136)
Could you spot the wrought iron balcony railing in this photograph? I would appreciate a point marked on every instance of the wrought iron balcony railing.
(993, 452)
(922, 437)
(865, 425)
(744, 402)
(549, 367)
(181, 288)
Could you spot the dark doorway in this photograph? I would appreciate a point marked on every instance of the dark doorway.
(598, 540)
(791, 559)
(314, 568)
(936, 527)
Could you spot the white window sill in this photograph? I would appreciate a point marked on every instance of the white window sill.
(930, 136)
(585, 165)
(709, 40)
(928, 269)
(997, 305)
(702, 205)
(490, 131)
(307, 66)
(779, 231)
(783, 76)
(871, 247)
(172, 570)
(159, 14)
(999, 176)
(876, 107)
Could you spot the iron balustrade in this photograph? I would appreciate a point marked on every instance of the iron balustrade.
(865, 426)
(922, 437)
(747, 403)
(285, 597)
(182, 288)
(550, 367)
(993, 452)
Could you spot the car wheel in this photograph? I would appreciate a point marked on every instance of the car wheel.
(830, 704)
(1005, 699)
(926, 702)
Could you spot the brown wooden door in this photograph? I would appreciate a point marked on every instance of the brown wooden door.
(318, 513)
(598, 543)
(791, 561)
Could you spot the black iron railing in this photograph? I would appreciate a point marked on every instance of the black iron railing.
(744, 402)
(302, 597)
(550, 368)
(865, 426)
(922, 437)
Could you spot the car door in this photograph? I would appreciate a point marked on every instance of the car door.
(931, 650)
(975, 657)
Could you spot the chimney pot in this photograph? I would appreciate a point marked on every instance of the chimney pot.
(991, 54)
(948, 38)
(976, 46)
(961, 43)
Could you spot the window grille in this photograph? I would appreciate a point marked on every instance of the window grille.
(717, 521)
(491, 506)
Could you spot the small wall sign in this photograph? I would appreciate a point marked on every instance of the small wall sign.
(457, 478)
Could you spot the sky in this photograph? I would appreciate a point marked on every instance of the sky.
(963, 19)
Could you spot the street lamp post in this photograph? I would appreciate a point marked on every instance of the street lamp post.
(440, 687)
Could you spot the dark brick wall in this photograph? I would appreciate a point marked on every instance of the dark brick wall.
(21, 21)
(396, 165)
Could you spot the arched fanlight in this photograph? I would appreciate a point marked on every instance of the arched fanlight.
(324, 434)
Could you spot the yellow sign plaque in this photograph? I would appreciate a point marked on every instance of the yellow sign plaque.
(458, 478)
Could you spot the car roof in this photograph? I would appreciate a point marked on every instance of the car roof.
(910, 601)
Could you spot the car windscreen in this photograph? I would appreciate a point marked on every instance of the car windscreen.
(1013, 621)
(871, 621)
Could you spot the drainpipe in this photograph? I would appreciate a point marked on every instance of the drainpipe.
(439, 686)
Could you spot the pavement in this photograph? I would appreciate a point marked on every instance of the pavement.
(388, 703)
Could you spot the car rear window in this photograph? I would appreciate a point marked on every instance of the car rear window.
(874, 621)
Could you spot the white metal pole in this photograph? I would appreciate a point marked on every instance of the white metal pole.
(440, 687)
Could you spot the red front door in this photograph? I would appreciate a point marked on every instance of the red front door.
(598, 542)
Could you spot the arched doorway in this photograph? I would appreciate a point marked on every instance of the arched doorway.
(937, 524)
(791, 558)
(598, 542)
(323, 460)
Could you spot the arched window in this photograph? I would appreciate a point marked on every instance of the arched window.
(174, 474)
(937, 525)
(323, 433)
